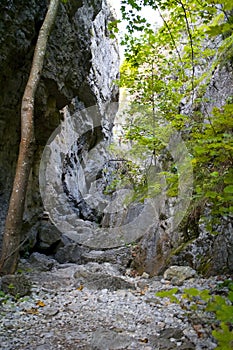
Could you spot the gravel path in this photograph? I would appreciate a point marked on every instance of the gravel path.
(64, 313)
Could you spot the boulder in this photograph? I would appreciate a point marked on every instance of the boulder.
(209, 254)
(71, 253)
(151, 252)
(168, 339)
(16, 285)
(102, 276)
(104, 339)
(41, 262)
(48, 237)
(121, 256)
(178, 274)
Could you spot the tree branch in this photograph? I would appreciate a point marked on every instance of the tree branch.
(170, 33)
(191, 44)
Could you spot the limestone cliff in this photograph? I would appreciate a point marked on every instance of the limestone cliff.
(81, 64)
(199, 248)
(80, 68)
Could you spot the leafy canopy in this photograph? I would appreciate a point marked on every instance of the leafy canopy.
(169, 70)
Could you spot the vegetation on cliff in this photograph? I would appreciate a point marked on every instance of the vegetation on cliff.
(172, 71)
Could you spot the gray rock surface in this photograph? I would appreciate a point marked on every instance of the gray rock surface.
(106, 339)
(101, 276)
(121, 256)
(81, 62)
(61, 314)
(41, 262)
(76, 253)
(48, 237)
(16, 285)
(178, 274)
(208, 254)
(71, 252)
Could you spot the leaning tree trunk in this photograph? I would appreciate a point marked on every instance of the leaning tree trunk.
(12, 232)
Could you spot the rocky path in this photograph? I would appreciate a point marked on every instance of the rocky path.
(97, 306)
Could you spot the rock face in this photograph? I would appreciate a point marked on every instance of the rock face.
(80, 67)
(207, 253)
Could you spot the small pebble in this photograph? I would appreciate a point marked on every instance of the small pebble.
(69, 317)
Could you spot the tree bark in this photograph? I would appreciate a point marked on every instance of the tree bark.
(14, 219)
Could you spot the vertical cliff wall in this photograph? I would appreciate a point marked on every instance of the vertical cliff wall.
(81, 65)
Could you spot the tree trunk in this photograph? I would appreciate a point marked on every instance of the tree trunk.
(12, 232)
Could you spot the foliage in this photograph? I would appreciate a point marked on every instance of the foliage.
(169, 68)
(4, 297)
(169, 294)
(113, 29)
(212, 150)
(220, 306)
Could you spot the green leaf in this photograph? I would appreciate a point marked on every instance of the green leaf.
(205, 295)
(158, 73)
(192, 292)
(2, 294)
(224, 337)
(228, 189)
(228, 178)
(225, 314)
(230, 296)
(169, 294)
(215, 174)
(211, 194)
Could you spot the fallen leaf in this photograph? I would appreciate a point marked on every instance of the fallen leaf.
(32, 311)
(199, 330)
(145, 340)
(144, 290)
(40, 303)
(80, 287)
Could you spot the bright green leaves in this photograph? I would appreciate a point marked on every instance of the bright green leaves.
(193, 299)
(212, 148)
(129, 10)
(172, 182)
(228, 189)
(169, 294)
(227, 5)
(190, 293)
(223, 309)
(161, 71)
(113, 28)
(224, 336)
(219, 29)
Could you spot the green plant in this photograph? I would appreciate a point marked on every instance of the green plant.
(169, 294)
(2, 294)
(11, 286)
(165, 69)
(4, 297)
(220, 306)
